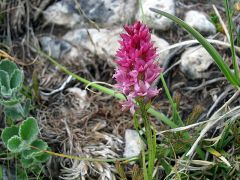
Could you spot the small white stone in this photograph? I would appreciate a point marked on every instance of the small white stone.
(194, 61)
(154, 20)
(133, 143)
(80, 97)
(200, 22)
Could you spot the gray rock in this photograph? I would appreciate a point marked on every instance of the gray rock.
(155, 20)
(109, 12)
(103, 12)
(54, 47)
(62, 50)
(104, 42)
(194, 61)
(62, 13)
(133, 143)
(200, 22)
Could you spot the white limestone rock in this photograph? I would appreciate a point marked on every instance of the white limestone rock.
(200, 22)
(194, 62)
(133, 143)
(154, 20)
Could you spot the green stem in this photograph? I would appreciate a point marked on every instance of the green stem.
(142, 11)
(150, 139)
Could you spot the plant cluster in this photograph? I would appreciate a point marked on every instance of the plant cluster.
(21, 140)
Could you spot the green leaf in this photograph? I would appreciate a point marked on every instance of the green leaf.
(28, 130)
(14, 112)
(16, 79)
(8, 66)
(31, 152)
(14, 144)
(166, 166)
(211, 50)
(8, 133)
(27, 107)
(27, 162)
(42, 157)
(5, 84)
(9, 102)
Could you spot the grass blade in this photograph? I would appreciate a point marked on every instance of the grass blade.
(230, 30)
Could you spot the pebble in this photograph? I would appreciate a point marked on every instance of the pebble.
(200, 22)
(194, 61)
(133, 143)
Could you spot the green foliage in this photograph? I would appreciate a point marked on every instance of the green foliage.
(19, 140)
(15, 144)
(8, 133)
(215, 20)
(42, 157)
(11, 81)
(27, 163)
(23, 141)
(28, 131)
(40, 144)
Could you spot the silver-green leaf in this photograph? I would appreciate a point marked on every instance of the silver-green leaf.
(8, 133)
(15, 144)
(28, 130)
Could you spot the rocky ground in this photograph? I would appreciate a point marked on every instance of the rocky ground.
(83, 36)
